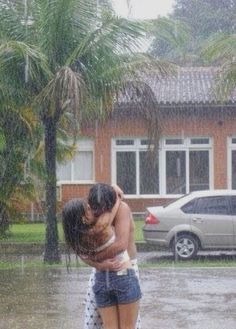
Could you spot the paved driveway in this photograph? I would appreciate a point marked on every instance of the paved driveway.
(172, 298)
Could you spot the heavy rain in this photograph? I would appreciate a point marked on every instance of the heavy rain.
(141, 96)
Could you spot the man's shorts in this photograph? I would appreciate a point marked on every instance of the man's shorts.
(113, 288)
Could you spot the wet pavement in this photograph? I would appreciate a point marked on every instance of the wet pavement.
(172, 297)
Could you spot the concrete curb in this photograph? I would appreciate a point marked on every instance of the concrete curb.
(13, 248)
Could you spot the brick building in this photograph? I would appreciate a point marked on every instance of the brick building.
(197, 144)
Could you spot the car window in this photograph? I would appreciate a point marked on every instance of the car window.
(213, 205)
(169, 203)
(188, 208)
(233, 205)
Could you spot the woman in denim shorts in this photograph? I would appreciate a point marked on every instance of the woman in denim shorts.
(92, 318)
(117, 292)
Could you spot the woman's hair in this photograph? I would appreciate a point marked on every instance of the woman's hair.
(101, 198)
(72, 223)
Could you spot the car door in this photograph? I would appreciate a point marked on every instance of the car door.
(212, 216)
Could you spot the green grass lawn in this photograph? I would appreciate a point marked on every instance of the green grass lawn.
(35, 232)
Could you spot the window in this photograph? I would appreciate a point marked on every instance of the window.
(182, 165)
(187, 165)
(173, 141)
(217, 205)
(188, 208)
(126, 168)
(233, 205)
(198, 170)
(175, 172)
(136, 171)
(80, 168)
(232, 163)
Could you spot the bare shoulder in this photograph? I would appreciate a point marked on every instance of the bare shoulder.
(124, 207)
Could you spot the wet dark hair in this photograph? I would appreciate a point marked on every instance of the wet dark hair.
(101, 198)
(72, 223)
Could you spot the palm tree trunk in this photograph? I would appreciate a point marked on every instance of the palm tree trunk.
(52, 254)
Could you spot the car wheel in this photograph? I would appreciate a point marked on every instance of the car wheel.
(185, 247)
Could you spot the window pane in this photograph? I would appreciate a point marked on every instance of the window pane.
(83, 165)
(64, 171)
(199, 140)
(233, 205)
(174, 141)
(126, 171)
(213, 205)
(188, 208)
(175, 172)
(145, 141)
(125, 142)
(234, 170)
(149, 174)
(198, 170)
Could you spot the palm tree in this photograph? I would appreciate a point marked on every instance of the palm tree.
(221, 50)
(72, 58)
(171, 39)
(16, 131)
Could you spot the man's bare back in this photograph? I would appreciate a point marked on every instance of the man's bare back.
(124, 231)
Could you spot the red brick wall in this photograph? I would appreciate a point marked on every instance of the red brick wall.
(211, 125)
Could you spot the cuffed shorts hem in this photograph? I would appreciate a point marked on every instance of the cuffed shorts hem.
(121, 303)
(111, 289)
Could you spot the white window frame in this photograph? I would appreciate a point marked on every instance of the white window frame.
(187, 147)
(86, 145)
(163, 148)
(136, 147)
(230, 147)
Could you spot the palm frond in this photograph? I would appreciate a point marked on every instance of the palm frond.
(13, 56)
(221, 49)
(65, 92)
(114, 33)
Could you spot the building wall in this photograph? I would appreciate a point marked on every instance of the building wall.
(212, 124)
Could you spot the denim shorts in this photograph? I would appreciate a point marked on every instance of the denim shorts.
(113, 288)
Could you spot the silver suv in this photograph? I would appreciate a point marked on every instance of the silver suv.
(199, 220)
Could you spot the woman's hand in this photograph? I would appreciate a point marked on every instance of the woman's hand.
(109, 264)
(119, 191)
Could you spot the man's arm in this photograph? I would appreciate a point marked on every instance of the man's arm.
(122, 231)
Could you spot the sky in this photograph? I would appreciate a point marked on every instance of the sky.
(142, 9)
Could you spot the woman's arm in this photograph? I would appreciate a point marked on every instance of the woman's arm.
(119, 191)
(106, 218)
(108, 264)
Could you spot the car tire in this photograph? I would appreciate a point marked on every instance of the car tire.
(184, 247)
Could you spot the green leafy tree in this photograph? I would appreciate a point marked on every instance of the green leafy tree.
(16, 144)
(69, 57)
(170, 40)
(189, 26)
(206, 17)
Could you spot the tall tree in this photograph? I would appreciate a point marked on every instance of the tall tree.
(74, 59)
(170, 40)
(221, 50)
(206, 17)
(190, 24)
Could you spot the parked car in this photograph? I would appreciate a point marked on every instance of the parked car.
(201, 220)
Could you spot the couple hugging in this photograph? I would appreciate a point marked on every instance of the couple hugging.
(100, 229)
